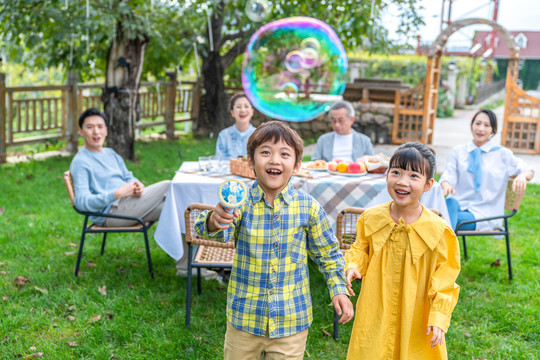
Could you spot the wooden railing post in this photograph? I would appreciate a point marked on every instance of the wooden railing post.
(3, 153)
(72, 112)
(196, 103)
(170, 104)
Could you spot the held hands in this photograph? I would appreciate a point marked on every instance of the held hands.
(344, 308)
(349, 277)
(220, 218)
(447, 188)
(133, 188)
(438, 336)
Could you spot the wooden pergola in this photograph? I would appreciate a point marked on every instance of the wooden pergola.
(416, 109)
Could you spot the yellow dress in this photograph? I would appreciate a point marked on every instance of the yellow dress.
(409, 273)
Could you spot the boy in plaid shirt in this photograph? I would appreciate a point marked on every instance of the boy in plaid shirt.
(269, 306)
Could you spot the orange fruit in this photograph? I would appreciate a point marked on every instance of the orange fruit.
(342, 167)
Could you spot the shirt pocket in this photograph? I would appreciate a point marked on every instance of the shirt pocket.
(299, 246)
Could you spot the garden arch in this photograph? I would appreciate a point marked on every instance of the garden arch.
(416, 109)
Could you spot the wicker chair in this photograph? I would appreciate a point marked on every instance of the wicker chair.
(203, 253)
(141, 227)
(346, 235)
(512, 203)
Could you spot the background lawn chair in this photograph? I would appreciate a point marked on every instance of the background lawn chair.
(141, 227)
(346, 234)
(203, 253)
(512, 203)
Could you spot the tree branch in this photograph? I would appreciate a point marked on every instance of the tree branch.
(229, 37)
(233, 53)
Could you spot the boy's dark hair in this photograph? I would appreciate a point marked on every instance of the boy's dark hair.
(416, 157)
(492, 119)
(91, 112)
(274, 131)
(235, 97)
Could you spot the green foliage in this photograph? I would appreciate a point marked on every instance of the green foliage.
(411, 69)
(445, 107)
(143, 318)
(47, 34)
(529, 73)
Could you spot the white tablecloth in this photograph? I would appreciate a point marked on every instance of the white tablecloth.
(333, 192)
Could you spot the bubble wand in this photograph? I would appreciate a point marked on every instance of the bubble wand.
(232, 194)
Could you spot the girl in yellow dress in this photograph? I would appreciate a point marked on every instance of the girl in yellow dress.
(408, 260)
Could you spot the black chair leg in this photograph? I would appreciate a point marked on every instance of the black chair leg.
(148, 256)
(465, 247)
(188, 295)
(508, 249)
(103, 243)
(81, 245)
(336, 329)
(199, 281)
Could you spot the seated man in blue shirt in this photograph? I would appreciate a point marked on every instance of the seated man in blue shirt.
(343, 143)
(102, 182)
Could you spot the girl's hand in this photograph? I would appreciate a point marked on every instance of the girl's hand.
(350, 276)
(438, 336)
(447, 188)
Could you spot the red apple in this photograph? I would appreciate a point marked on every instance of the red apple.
(354, 168)
(337, 161)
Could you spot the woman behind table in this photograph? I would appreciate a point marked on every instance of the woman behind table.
(232, 141)
(476, 175)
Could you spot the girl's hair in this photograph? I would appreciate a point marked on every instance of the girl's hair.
(235, 97)
(492, 119)
(416, 157)
(274, 131)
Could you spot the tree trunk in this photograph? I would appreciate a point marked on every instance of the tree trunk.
(120, 96)
(215, 100)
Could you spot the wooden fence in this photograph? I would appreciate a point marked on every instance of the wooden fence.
(30, 114)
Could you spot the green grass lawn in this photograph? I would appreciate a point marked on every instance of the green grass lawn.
(139, 318)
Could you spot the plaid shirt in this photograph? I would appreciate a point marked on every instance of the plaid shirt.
(269, 283)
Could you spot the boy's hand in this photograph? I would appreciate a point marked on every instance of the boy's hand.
(438, 336)
(351, 275)
(344, 307)
(220, 218)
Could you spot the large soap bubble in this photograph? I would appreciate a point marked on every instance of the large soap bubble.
(294, 69)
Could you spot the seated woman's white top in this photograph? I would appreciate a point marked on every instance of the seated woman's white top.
(497, 166)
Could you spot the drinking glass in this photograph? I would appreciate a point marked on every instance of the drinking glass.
(204, 163)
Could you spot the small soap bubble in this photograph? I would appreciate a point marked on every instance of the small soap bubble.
(294, 68)
(294, 61)
(290, 91)
(257, 10)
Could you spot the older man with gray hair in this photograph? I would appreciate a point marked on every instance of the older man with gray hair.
(343, 143)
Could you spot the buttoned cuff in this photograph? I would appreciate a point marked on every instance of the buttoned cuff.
(439, 320)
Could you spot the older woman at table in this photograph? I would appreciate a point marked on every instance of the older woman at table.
(476, 175)
(232, 141)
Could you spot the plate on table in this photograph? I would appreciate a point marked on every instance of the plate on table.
(309, 166)
(348, 174)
